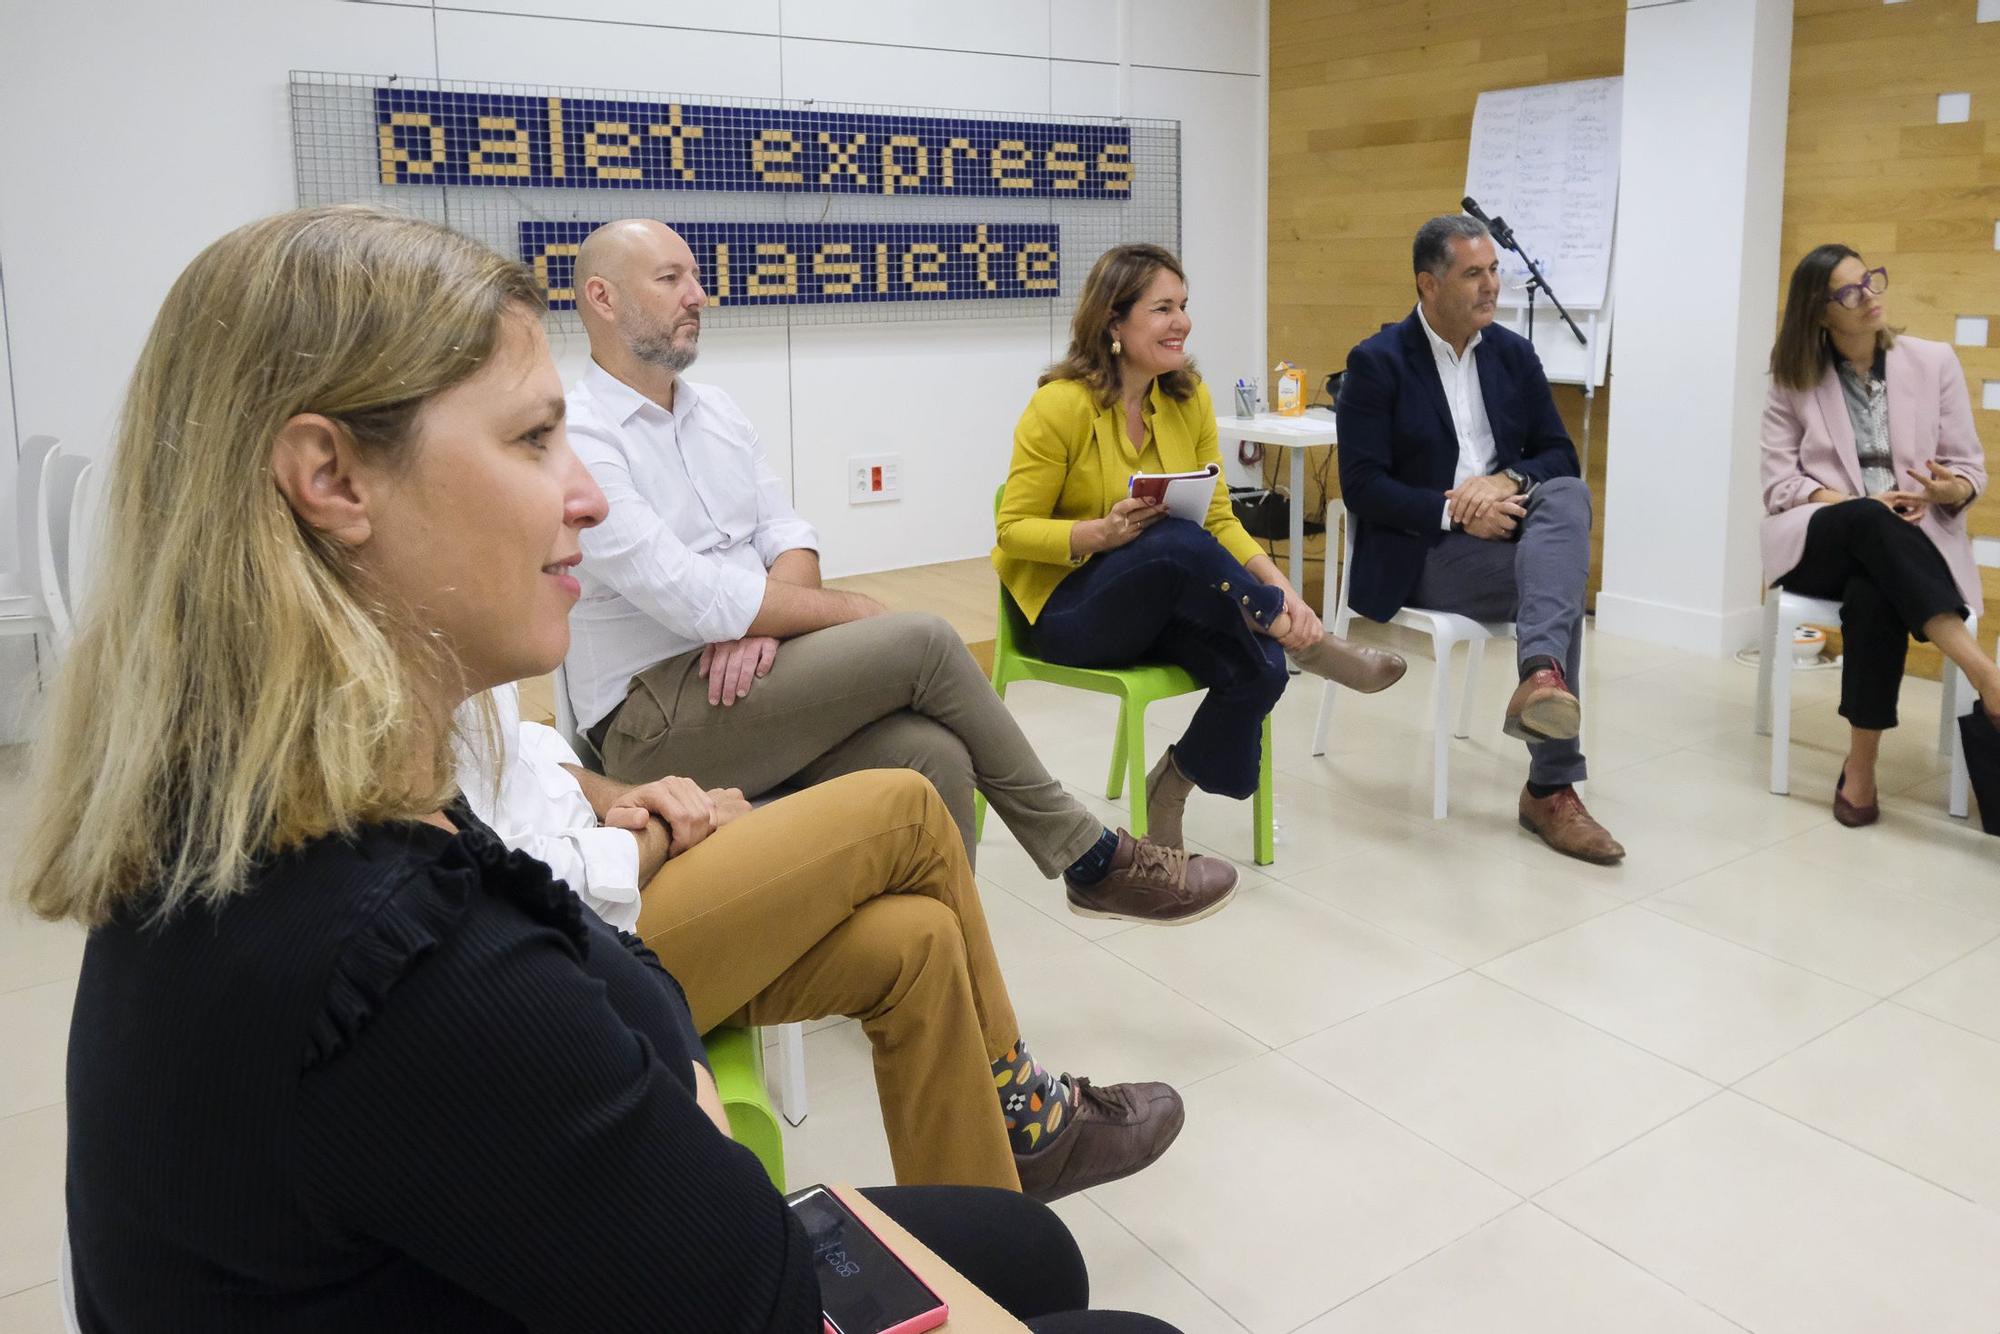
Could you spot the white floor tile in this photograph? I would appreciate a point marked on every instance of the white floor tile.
(33, 952)
(1916, 849)
(1853, 930)
(1701, 792)
(31, 1197)
(36, 1310)
(1967, 993)
(1523, 1273)
(1279, 964)
(1522, 1093)
(1453, 898)
(1125, 1276)
(34, 1039)
(1788, 1231)
(1701, 1002)
(1284, 1197)
(1905, 1087)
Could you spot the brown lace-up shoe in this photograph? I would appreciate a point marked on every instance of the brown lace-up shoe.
(1149, 883)
(1343, 662)
(1543, 709)
(1167, 791)
(1113, 1132)
(1561, 822)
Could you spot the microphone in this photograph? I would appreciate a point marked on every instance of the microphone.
(1502, 233)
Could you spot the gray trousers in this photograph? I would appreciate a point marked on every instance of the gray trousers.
(1537, 581)
(888, 692)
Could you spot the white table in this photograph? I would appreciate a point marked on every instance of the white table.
(1295, 434)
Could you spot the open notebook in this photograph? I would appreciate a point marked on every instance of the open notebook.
(1185, 494)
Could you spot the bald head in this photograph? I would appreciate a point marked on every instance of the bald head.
(640, 295)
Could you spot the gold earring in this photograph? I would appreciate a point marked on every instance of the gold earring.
(1116, 346)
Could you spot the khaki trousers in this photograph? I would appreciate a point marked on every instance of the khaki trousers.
(854, 897)
(889, 692)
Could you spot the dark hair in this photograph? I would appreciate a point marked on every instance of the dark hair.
(1116, 282)
(1803, 349)
(1431, 251)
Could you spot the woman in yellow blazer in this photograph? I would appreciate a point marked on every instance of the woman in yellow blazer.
(1106, 580)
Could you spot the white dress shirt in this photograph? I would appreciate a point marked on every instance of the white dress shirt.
(1460, 375)
(696, 517)
(536, 807)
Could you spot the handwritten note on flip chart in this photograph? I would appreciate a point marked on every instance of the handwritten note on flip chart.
(1545, 160)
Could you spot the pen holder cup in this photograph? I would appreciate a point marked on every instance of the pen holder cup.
(1246, 400)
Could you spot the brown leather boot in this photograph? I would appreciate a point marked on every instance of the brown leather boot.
(1543, 709)
(1149, 883)
(1346, 663)
(1167, 791)
(1113, 1132)
(1561, 822)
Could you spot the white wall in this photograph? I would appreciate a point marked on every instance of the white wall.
(1701, 188)
(142, 131)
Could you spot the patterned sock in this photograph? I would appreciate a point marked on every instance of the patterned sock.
(1035, 1102)
(1094, 865)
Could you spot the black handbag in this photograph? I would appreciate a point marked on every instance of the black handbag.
(1982, 764)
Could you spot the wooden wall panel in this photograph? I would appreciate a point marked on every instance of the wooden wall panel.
(1868, 165)
(1371, 120)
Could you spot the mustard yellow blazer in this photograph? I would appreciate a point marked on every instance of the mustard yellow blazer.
(1073, 461)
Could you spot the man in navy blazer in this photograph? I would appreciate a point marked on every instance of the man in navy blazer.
(1466, 497)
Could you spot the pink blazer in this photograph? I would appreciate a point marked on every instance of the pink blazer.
(1809, 443)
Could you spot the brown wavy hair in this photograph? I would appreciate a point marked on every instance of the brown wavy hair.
(1803, 350)
(1116, 282)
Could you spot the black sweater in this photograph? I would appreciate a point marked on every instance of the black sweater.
(406, 1082)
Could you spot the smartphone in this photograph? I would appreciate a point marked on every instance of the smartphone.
(864, 1288)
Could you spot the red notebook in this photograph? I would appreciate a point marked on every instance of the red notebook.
(1186, 495)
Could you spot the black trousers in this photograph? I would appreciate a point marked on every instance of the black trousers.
(1014, 1250)
(1890, 579)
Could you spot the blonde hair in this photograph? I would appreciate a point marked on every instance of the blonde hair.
(235, 688)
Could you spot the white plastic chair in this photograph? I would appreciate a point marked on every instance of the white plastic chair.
(1784, 613)
(1446, 630)
(790, 1093)
(62, 540)
(23, 608)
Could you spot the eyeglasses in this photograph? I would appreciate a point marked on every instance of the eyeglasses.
(1875, 281)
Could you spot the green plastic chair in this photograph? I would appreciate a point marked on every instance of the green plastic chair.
(736, 1057)
(1136, 687)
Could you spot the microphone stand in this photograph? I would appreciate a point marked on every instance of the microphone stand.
(1505, 236)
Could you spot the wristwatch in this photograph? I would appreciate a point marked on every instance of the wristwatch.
(1521, 484)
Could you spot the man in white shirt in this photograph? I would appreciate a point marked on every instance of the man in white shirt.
(853, 897)
(704, 644)
(1466, 497)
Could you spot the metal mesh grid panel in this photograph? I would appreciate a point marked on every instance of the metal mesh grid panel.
(797, 212)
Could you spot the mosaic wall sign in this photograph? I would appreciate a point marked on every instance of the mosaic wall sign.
(805, 263)
(797, 212)
(426, 137)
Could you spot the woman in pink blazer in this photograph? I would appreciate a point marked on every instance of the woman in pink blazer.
(1870, 461)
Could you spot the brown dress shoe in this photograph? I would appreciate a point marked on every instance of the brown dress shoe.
(1167, 791)
(1114, 1132)
(1846, 812)
(1543, 709)
(1149, 883)
(1562, 823)
(1349, 664)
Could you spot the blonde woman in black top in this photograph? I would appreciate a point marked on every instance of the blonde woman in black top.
(339, 1060)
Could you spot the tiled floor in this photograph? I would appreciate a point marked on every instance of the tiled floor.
(1439, 1079)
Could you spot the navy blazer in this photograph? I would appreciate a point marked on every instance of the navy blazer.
(1399, 450)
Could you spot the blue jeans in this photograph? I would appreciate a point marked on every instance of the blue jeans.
(1174, 595)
